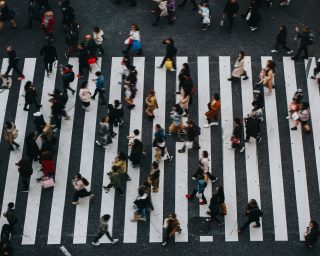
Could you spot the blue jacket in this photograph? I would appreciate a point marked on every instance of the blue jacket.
(100, 82)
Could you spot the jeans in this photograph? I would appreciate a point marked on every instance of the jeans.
(100, 234)
(304, 49)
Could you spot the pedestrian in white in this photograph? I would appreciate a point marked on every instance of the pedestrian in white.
(85, 95)
(204, 11)
(98, 37)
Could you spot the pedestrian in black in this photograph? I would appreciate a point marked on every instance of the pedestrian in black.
(13, 62)
(214, 209)
(67, 15)
(10, 214)
(252, 15)
(25, 171)
(99, 87)
(136, 152)
(6, 247)
(171, 226)
(90, 45)
(36, 9)
(236, 138)
(195, 5)
(72, 39)
(112, 116)
(114, 177)
(282, 40)
(258, 100)
(49, 54)
(79, 183)
(230, 11)
(38, 122)
(171, 52)
(192, 134)
(185, 81)
(312, 233)
(119, 113)
(67, 78)
(253, 214)
(103, 230)
(32, 149)
(83, 60)
(306, 39)
(30, 96)
(252, 124)
(6, 14)
(58, 101)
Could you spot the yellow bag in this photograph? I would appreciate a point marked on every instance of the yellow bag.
(168, 64)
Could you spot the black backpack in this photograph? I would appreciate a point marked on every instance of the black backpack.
(85, 181)
(197, 130)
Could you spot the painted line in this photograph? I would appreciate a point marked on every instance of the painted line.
(299, 169)
(156, 216)
(229, 176)
(130, 228)
(252, 169)
(4, 96)
(61, 175)
(206, 238)
(11, 186)
(34, 195)
(65, 251)
(86, 162)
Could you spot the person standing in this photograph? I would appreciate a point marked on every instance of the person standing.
(236, 138)
(10, 134)
(312, 233)
(136, 152)
(99, 87)
(253, 214)
(214, 209)
(79, 183)
(98, 37)
(267, 76)
(252, 124)
(140, 204)
(192, 134)
(154, 176)
(103, 230)
(200, 187)
(49, 54)
(151, 104)
(83, 60)
(238, 70)
(114, 181)
(171, 226)
(25, 172)
(13, 62)
(306, 39)
(230, 10)
(282, 40)
(104, 133)
(171, 52)
(6, 14)
(32, 149)
(11, 216)
(112, 117)
(213, 113)
(176, 117)
(160, 11)
(90, 45)
(67, 78)
(133, 41)
(47, 24)
(85, 96)
(30, 96)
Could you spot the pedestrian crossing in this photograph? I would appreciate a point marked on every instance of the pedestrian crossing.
(181, 166)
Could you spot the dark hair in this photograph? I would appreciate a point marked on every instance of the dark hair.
(96, 29)
(155, 164)
(84, 84)
(305, 105)
(98, 73)
(315, 224)
(242, 54)
(186, 66)
(116, 103)
(171, 41)
(173, 215)
(47, 155)
(158, 126)
(106, 217)
(136, 132)
(135, 26)
(122, 156)
(237, 120)
(8, 125)
(114, 168)
(216, 96)
(10, 205)
(220, 189)
(79, 176)
(205, 153)
(110, 106)
(23, 163)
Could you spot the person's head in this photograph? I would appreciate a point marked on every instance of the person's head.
(313, 224)
(216, 96)
(186, 66)
(110, 106)
(84, 85)
(104, 119)
(88, 37)
(114, 168)
(23, 163)
(253, 202)
(47, 155)
(2, 4)
(236, 121)
(28, 84)
(8, 125)
(170, 41)
(98, 73)
(155, 165)
(152, 93)
(10, 205)
(9, 48)
(134, 27)
(116, 103)
(106, 217)
(241, 54)
(96, 29)
(306, 29)
(81, 46)
(48, 14)
(136, 132)
(282, 28)
(219, 189)
(158, 127)
(173, 215)
(205, 153)
(270, 64)
(78, 176)
(122, 156)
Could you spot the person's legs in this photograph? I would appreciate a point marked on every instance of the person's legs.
(99, 235)
(285, 47)
(101, 96)
(15, 68)
(298, 53)
(245, 226)
(50, 66)
(109, 236)
(8, 70)
(46, 66)
(76, 196)
(163, 61)
(94, 94)
(305, 50)
(230, 18)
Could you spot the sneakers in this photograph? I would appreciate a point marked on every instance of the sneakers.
(294, 129)
(284, 3)
(207, 125)
(208, 220)
(98, 142)
(221, 224)
(202, 202)
(164, 244)
(242, 149)
(274, 51)
(253, 28)
(188, 196)
(95, 243)
(215, 123)
(245, 78)
(290, 52)
(114, 241)
(75, 202)
(172, 69)
(215, 180)
(170, 158)
(259, 140)
(106, 146)
(21, 78)
(288, 117)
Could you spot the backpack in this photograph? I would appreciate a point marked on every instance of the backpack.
(197, 130)
(69, 76)
(85, 181)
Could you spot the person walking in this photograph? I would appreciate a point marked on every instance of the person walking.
(85, 95)
(36, 9)
(68, 15)
(79, 183)
(32, 148)
(204, 162)
(230, 10)
(252, 124)
(171, 52)
(103, 230)
(204, 11)
(214, 209)
(67, 78)
(49, 54)
(112, 117)
(136, 152)
(253, 214)
(6, 14)
(121, 162)
(306, 39)
(238, 70)
(25, 172)
(47, 165)
(151, 104)
(154, 177)
(161, 151)
(114, 181)
(31, 95)
(199, 189)
(10, 134)
(252, 16)
(104, 134)
(303, 116)
(312, 233)
(236, 138)
(133, 41)
(213, 112)
(140, 204)
(47, 25)
(83, 60)
(119, 113)
(171, 226)
(184, 78)
(11, 216)
(282, 40)
(13, 63)
(176, 123)
(90, 45)
(99, 87)
(98, 37)
(192, 134)
(160, 11)
(159, 134)
(267, 76)
(316, 70)
(171, 7)
(72, 39)
(58, 101)
(184, 102)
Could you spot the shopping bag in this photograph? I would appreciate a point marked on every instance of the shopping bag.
(168, 64)
(47, 182)
(136, 45)
(92, 60)
(295, 116)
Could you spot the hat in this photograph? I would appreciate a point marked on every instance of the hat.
(37, 113)
(69, 66)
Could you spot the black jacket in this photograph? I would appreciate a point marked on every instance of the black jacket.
(231, 8)
(282, 37)
(49, 53)
(191, 133)
(83, 56)
(304, 39)
(252, 126)
(13, 58)
(171, 51)
(237, 131)
(214, 205)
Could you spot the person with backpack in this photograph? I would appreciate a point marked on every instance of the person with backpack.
(199, 189)
(11, 216)
(119, 113)
(10, 134)
(31, 95)
(171, 52)
(103, 230)
(193, 131)
(25, 172)
(49, 54)
(6, 14)
(67, 78)
(306, 39)
(99, 87)
(72, 40)
(79, 183)
(171, 226)
(253, 214)
(114, 180)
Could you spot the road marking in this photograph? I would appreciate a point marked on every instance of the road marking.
(298, 161)
(130, 228)
(229, 176)
(61, 175)
(65, 251)
(156, 216)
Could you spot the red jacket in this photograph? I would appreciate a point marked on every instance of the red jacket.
(47, 167)
(47, 24)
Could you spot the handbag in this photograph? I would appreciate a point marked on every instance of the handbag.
(223, 209)
(15, 133)
(295, 116)
(128, 41)
(221, 22)
(92, 60)
(47, 182)
(168, 64)
(136, 45)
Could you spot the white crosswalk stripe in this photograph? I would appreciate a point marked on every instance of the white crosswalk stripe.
(181, 163)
